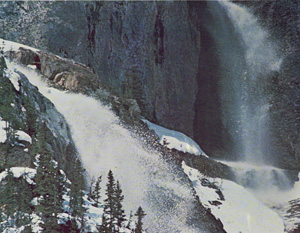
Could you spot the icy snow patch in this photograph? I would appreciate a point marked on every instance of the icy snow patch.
(175, 140)
(32, 67)
(241, 211)
(2, 132)
(13, 46)
(22, 136)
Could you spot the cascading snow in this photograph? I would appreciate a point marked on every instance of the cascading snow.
(103, 144)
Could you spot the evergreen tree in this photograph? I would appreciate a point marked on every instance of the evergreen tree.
(15, 199)
(128, 226)
(140, 215)
(48, 187)
(6, 93)
(31, 117)
(96, 192)
(77, 209)
(113, 210)
(8, 196)
(91, 189)
(104, 226)
(6, 107)
(24, 197)
(118, 208)
(3, 65)
(109, 205)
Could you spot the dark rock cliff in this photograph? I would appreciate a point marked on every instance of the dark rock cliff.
(169, 57)
(147, 51)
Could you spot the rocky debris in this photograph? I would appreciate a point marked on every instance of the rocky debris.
(25, 56)
(216, 203)
(205, 165)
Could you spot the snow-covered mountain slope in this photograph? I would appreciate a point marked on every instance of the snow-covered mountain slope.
(272, 186)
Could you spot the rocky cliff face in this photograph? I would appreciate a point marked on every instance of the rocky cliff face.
(164, 55)
(147, 51)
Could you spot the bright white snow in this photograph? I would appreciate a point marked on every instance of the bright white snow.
(22, 136)
(174, 139)
(27, 173)
(2, 132)
(266, 179)
(14, 46)
(241, 211)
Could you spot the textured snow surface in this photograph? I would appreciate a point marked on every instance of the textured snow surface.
(240, 211)
(266, 180)
(174, 139)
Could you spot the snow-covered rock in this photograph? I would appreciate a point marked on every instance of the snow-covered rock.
(175, 140)
(27, 173)
(14, 46)
(22, 136)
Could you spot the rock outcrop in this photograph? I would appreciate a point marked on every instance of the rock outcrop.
(69, 75)
(30, 111)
